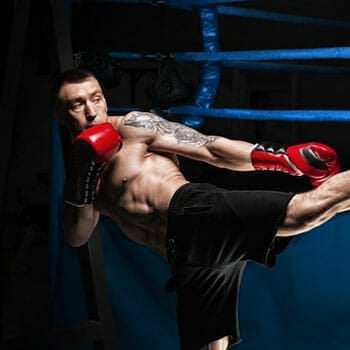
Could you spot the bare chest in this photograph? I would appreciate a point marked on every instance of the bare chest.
(137, 179)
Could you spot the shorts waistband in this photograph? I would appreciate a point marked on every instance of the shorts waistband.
(179, 193)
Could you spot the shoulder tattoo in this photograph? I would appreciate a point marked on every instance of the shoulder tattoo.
(182, 133)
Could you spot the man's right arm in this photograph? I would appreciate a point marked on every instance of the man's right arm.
(79, 223)
(90, 151)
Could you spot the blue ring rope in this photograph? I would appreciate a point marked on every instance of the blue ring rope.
(255, 114)
(241, 64)
(264, 55)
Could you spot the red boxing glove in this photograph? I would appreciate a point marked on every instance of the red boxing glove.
(315, 160)
(91, 149)
(103, 139)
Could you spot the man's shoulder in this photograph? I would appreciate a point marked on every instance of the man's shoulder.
(135, 125)
(141, 115)
(145, 120)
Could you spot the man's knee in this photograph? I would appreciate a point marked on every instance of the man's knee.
(220, 344)
(303, 213)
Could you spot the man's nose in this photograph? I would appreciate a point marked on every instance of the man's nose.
(90, 112)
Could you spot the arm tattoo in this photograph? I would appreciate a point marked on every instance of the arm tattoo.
(181, 133)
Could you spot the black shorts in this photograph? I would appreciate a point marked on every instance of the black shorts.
(212, 233)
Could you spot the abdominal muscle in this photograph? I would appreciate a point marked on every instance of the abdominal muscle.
(137, 197)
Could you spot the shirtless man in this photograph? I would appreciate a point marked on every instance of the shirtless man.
(126, 168)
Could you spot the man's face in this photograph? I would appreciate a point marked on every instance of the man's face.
(82, 105)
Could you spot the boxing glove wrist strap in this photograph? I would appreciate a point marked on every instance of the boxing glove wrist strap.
(272, 157)
(91, 150)
(80, 188)
(82, 176)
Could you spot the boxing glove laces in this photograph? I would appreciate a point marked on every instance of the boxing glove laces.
(91, 149)
(314, 160)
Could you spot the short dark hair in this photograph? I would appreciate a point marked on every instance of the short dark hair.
(74, 75)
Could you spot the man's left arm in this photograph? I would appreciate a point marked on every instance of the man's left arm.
(315, 160)
(162, 135)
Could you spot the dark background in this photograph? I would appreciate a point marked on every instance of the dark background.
(99, 27)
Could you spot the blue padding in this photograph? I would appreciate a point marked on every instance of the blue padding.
(209, 23)
(259, 114)
(303, 302)
(280, 17)
(210, 73)
(264, 55)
